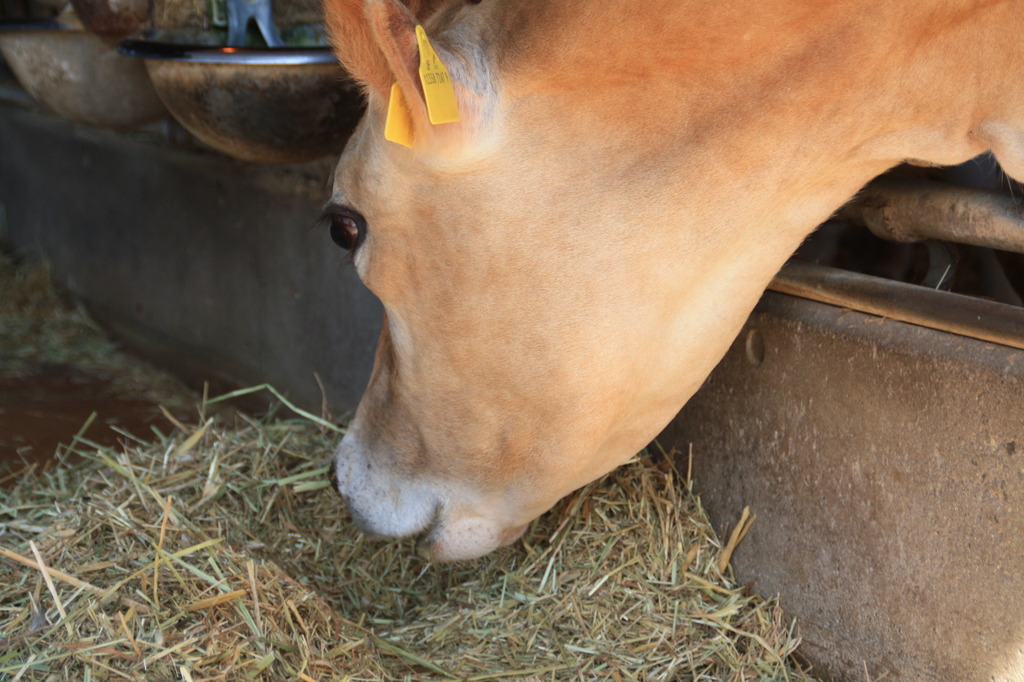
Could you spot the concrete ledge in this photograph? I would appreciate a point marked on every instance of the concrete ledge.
(885, 463)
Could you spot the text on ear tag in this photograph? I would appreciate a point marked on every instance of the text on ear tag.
(398, 125)
(442, 106)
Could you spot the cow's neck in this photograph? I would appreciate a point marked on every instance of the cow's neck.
(873, 81)
(738, 146)
(768, 100)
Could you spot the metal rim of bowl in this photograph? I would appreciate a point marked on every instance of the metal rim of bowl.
(267, 56)
(33, 25)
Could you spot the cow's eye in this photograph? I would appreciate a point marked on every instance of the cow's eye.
(347, 227)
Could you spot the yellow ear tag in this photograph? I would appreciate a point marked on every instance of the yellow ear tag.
(398, 125)
(442, 106)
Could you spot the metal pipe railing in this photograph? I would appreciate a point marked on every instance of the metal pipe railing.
(910, 210)
(964, 315)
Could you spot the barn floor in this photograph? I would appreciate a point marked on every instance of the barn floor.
(215, 548)
(61, 377)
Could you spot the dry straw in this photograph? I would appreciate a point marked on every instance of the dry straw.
(219, 552)
(227, 556)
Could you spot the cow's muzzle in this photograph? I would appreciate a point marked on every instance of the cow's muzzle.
(381, 502)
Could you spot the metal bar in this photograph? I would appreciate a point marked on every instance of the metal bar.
(972, 317)
(264, 56)
(909, 210)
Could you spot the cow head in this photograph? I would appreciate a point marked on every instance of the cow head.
(562, 267)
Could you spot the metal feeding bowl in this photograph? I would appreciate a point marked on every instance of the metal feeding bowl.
(265, 105)
(78, 75)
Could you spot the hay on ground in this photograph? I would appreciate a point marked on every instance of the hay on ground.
(221, 553)
(217, 551)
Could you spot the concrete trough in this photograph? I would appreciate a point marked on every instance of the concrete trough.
(885, 464)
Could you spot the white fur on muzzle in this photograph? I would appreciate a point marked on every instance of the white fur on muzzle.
(383, 503)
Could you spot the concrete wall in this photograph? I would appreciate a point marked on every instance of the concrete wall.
(212, 265)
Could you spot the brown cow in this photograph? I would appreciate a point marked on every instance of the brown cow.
(563, 266)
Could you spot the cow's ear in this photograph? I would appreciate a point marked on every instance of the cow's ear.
(355, 45)
(447, 90)
(394, 28)
(376, 40)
